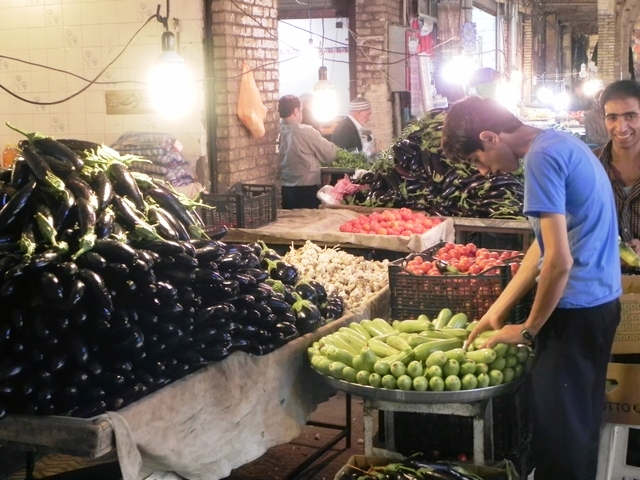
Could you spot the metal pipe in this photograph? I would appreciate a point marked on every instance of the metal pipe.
(210, 98)
(513, 36)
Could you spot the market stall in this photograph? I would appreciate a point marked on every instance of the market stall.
(464, 226)
(144, 335)
(322, 226)
(205, 424)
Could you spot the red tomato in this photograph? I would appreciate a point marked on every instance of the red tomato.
(464, 265)
(514, 268)
(449, 245)
(434, 272)
(418, 260)
(454, 253)
(472, 247)
(445, 256)
(474, 269)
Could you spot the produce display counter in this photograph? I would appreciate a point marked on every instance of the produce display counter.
(463, 226)
(206, 424)
(468, 403)
(322, 226)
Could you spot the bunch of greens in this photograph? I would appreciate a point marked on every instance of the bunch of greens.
(345, 159)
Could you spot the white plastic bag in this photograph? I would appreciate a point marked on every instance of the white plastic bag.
(325, 196)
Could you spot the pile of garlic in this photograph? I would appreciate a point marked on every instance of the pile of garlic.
(352, 277)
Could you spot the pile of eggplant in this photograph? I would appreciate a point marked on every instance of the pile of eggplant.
(414, 173)
(110, 288)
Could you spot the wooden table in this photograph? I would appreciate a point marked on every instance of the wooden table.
(465, 225)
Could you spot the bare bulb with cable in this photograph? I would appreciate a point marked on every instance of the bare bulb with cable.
(171, 88)
(583, 71)
(325, 100)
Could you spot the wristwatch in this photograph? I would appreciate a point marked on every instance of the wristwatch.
(528, 336)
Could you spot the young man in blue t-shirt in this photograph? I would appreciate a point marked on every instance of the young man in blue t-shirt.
(575, 262)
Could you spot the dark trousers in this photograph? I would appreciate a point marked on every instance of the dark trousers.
(300, 197)
(568, 380)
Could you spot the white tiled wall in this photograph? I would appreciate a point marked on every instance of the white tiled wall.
(81, 37)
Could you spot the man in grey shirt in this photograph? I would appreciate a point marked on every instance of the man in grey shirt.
(302, 150)
(594, 124)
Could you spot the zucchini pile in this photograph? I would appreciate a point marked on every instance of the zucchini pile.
(414, 468)
(418, 355)
(110, 288)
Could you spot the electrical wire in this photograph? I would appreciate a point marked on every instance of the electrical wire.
(80, 77)
(91, 82)
(257, 21)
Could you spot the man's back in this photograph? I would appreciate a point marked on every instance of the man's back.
(346, 135)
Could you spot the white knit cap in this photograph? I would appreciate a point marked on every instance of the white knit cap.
(359, 103)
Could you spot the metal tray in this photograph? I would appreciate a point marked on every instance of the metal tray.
(413, 397)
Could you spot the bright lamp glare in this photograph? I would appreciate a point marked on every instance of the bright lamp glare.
(591, 87)
(561, 102)
(170, 85)
(325, 102)
(509, 94)
(458, 70)
(545, 95)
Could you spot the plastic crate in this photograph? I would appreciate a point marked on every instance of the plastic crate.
(451, 435)
(511, 420)
(412, 295)
(245, 206)
(521, 457)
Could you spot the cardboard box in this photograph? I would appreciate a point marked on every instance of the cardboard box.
(360, 464)
(627, 339)
(622, 394)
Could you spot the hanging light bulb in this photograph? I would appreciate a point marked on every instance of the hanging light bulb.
(325, 101)
(583, 71)
(170, 84)
(309, 53)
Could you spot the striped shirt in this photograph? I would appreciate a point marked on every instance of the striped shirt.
(627, 206)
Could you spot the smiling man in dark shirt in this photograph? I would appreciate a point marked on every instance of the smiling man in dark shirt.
(621, 155)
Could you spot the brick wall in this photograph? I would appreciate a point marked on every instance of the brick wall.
(373, 18)
(606, 45)
(552, 64)
(237, 36)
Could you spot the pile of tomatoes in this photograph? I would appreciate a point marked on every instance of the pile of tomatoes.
(466, 259)
(402, 222)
